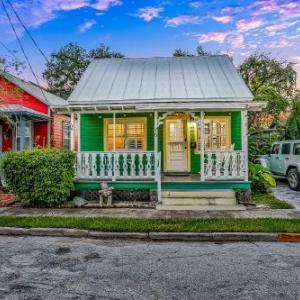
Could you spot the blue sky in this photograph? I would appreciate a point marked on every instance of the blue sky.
(155, 28)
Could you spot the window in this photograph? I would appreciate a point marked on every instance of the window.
(28, 135)
(130, 134)
(275, 149)
(66, 128)
(286, 148)
(217, 134)
(297, 149)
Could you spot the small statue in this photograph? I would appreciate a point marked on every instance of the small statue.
(105, 194)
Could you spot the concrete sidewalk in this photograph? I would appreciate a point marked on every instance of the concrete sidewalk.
(149, 213)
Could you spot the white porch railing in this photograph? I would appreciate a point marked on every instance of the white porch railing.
(118, 165)
(224, 165)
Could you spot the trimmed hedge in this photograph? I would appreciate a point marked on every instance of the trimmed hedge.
(40, 177)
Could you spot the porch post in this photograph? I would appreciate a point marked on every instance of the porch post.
(22, 132)
(202, 145)
(244, 120)
(72, 129)
(114, 148)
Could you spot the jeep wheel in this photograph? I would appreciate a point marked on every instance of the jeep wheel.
(293, 178)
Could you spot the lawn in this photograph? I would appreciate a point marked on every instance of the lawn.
(155, 224)
(271, 201)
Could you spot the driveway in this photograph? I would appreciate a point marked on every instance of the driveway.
(61, 268)
(283, 192)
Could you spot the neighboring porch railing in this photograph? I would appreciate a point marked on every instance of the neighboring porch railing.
(224, 165)
(118, 165)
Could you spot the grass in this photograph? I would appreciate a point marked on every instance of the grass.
(155, 224)
(271, 201)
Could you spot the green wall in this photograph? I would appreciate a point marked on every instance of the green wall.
(92, 130)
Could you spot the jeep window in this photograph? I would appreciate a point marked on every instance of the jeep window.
(286, 148)
(297, 149)
(275, 149)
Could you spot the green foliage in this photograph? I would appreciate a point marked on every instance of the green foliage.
(261, 178)
(66, 66)
(40, 177)
(200, 51)
(293, 123)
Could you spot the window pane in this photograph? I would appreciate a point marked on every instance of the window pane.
(275, 149)
(286, 148)
(297, 149)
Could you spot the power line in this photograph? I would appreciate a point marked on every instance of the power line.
(27, 31)
(22, 48)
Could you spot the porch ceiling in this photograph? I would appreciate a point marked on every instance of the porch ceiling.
(24, 111)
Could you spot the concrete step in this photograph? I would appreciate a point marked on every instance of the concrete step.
(201, 207)
(198, 194)
(199, 201)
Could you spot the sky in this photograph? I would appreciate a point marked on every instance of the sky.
(150, 28)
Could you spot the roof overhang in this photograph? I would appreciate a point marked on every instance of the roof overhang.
(174, 106)
(20, 110)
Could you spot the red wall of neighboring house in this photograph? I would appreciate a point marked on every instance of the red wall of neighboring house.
(7, 137)
(10, 94)
(40, 133)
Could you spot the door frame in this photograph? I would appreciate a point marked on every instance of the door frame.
(185, 118)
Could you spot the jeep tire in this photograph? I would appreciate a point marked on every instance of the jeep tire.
(293, 178)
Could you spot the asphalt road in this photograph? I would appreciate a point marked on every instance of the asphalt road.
(64, 268)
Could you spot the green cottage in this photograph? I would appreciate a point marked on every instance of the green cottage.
(174, 125)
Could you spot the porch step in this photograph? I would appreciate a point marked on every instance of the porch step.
(199, 201)
(198, 194)
(207, 200)
(201, 207)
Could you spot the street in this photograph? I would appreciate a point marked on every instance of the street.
(64, 268)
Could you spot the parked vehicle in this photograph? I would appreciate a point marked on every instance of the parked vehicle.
(284, 160)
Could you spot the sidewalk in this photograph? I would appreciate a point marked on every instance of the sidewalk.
(150, 213)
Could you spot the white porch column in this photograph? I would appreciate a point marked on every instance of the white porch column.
(72, 130)
(157, 157)
(156, 125)
(244, 121)
(202, 145)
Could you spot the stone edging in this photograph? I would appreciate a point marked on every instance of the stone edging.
(154, 236)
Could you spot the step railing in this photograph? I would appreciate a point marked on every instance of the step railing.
(138, 165)
(224, 165)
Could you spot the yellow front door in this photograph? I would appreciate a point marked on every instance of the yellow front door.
(176, 145)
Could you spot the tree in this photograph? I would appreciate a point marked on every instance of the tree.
(200, 51)
(293, 123)
(104, 52)
(67, 65)
(65, 68)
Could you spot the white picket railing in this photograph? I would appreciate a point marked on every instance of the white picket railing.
(224, 165)
(118, 165)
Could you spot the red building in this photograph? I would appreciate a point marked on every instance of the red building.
(34, 123)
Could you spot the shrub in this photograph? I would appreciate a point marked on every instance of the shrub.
(40, 177)
(261, 178)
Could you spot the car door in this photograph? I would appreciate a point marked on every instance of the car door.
(274, 163)
(285, 157)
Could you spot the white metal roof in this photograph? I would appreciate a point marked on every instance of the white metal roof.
(151, 80)
(35, 90)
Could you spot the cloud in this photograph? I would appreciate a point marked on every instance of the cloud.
(280, 43)
(149, 13)
(106, 4)
(182, 20)
(216, 36)
(296, 60)
(248, 24)
(196, 4)
(223, 19)
(87, 25)
(273, 29)
(238, 41)
(290, 10)
(232, 10)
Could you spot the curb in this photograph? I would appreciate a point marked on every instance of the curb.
(154, 236)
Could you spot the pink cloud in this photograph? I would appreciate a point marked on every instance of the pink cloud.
(280, 44)
(182, 20)
(273, 29)
(296, 60)
(246, 24)
(232, 10)
(223, 19)
(87, 25)
(238, 41)
(217, 36)
(149, 13)
(106, 4)
(290, 10)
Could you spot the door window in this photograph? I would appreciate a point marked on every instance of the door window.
(286, 149)
(28, 135)
(296, 149)
(275, 149)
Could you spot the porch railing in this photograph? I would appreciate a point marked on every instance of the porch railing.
(118, 165)
(224, 165)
